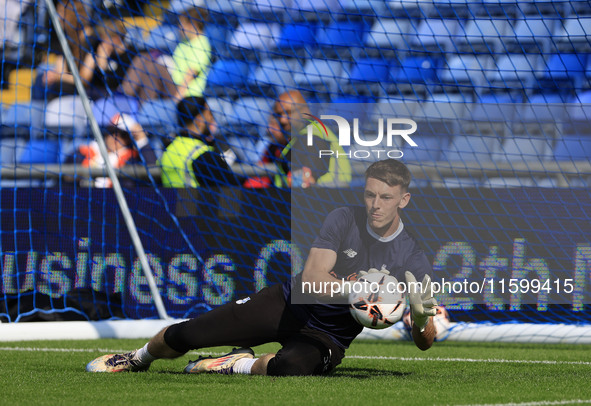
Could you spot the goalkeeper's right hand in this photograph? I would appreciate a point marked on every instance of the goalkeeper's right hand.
(422, 305)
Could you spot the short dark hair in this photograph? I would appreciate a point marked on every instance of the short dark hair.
(390, 171)
(197, 15)
(189, 108)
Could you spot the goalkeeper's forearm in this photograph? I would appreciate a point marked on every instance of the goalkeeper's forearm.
(325, 287)
(424, 340)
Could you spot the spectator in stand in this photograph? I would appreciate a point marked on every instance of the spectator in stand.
(10, 15)
(77, 26)
(287, 126)
(102, 70)
(193, 158)
(182, 75)
(127, 144)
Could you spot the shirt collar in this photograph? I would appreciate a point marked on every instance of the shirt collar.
(385, 239)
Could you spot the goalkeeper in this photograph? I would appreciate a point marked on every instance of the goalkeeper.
(315, 335)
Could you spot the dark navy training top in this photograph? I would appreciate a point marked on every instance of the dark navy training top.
(346, 232)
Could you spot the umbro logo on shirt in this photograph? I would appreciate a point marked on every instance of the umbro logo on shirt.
(350, 253)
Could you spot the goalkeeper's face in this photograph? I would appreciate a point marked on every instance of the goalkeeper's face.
(383, 203)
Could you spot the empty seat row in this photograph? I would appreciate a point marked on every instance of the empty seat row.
(431, 35)
(326, 78)
(291, 9)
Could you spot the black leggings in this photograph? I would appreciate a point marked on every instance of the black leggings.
(259, 319)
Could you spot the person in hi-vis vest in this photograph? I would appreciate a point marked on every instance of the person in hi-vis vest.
(291, 116)
(192, 159)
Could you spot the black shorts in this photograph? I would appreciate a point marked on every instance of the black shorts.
(260, 318)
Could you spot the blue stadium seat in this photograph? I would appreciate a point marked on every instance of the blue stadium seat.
(104, 109)
(225, 12)
(573, 35)
(321, 77)
(466, 70)
(297, 39)
(66, 116)
(492, 115)
(315, 10)
(387, 37)
(340, 39)
(224, 6)
(250, 116)
(180, 6)
(269, 10)
(436, 35)
(40, 151)
(499, 98)
(579, 115)
(442, 107)
(566, 66)
(563, 73)
(504, 183)
(501, 9)
(416, 70)
(227, 77)
(459, 9)
(387, 107)
(454, 98)
(461, 183)
(20, 48)
(350, 107)
(218, 39)
(546, 9)
(585, 97)
(518, 149)
(532, 35)
(441, 119)
(221, 110)
(430, 150)
(369, 75)
(514, 71)
(318, 5)
(484, 35)
(370, 70)
(409, 8)
(134, 38)
(23, 120)
(251, 39)
(470, 148)
(273, 76)
(248, 150)
(163, 38)
(158, 116)
(10, 150)
(364, 7)
(544, 108)
(578, 8)
(573, 148)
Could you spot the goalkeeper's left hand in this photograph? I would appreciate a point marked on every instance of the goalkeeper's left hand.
(422, 302)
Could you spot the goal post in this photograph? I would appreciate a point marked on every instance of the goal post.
(94, 128)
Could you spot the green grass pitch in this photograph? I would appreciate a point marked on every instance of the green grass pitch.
(374, 373)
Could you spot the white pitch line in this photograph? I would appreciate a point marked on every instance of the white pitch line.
(485, 360)
(102, 350)
(369, 357)
(540, 403)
